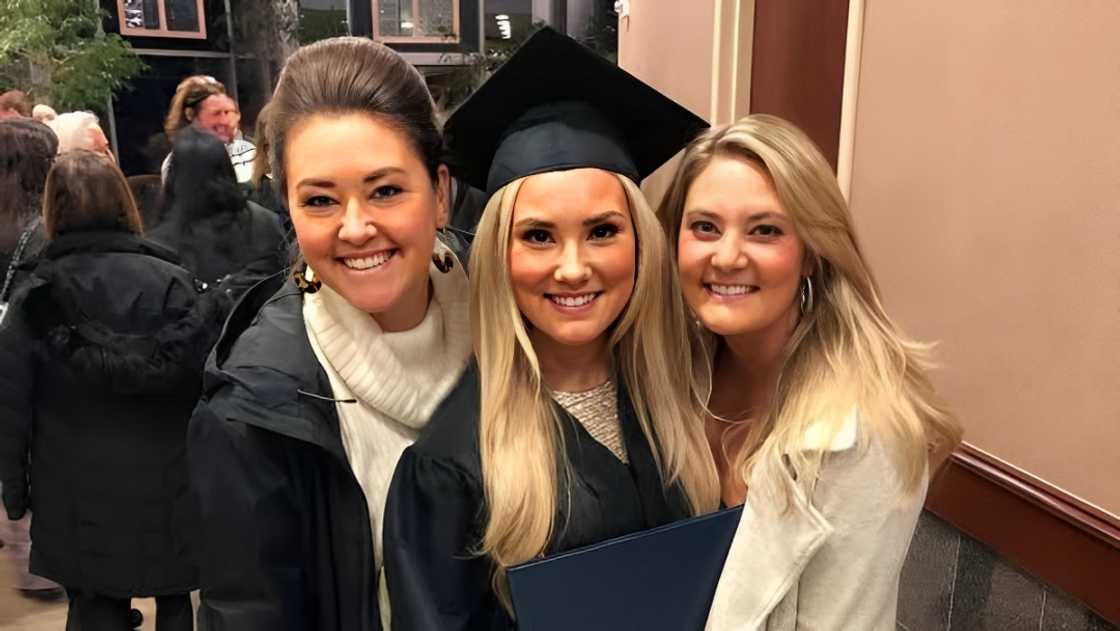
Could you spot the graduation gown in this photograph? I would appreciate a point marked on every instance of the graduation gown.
(435, 514)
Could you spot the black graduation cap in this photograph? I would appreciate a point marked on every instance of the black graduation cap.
(557, 105)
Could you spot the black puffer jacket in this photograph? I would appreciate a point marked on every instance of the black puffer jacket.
(100, 366)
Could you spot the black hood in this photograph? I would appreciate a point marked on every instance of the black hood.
(263, 371)
(117, 310)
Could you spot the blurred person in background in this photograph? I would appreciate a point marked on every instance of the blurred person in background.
(207, 221)
(158, 145)
(103, 355)
(81, 131)
(44, 113)
(14, 104)
(202, 103)
(184, 105)
(27, 150)
(261, 185)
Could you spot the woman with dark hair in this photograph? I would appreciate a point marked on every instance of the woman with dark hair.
(207, 221)
(315, 390)
(103, 353)
(27, 150)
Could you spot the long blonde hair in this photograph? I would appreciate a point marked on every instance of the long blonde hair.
(845, 353)
(521, 442)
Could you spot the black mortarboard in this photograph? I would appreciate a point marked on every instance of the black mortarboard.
(557, 105)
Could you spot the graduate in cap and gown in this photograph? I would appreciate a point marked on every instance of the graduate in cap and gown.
(588, 426)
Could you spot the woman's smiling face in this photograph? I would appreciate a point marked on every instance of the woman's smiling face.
(365, 212)
(741, 260)
(572, 255)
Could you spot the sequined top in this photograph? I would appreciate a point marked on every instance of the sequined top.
(597, 410)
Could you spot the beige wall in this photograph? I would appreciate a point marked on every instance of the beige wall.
(986, 187)
(696, 52)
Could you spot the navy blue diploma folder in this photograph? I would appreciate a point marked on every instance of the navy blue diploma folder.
(660, 579)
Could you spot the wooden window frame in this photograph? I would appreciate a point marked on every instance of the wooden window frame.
(163, 31)
(455, 38)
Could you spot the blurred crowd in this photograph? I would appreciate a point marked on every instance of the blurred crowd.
(126, 281)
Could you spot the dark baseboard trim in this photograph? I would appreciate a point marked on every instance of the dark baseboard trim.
(1044, 530)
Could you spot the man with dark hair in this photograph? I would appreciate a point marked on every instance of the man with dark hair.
(14, 104)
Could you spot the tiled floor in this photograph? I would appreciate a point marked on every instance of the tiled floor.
(949, 583)
(952, 583)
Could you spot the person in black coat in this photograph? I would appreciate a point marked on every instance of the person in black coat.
(102, 361)
(290, 489)
(316, 388)
(27, 150)
(208, 223)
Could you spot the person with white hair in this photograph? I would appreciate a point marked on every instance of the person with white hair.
(44, 113)
(80, 130)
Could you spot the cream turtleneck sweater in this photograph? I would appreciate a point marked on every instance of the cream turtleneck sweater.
(398, 379)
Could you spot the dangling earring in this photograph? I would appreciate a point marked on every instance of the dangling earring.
(443, 261)
(807, 295)
(305, 280)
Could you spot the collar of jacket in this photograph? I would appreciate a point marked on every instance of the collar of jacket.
(771, 548)
(273, 380)
(97, 241)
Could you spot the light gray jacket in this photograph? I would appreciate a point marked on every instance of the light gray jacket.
(831, 562)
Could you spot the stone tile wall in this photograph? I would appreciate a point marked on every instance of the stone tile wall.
(951, 582)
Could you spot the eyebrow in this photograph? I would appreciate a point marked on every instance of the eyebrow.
(371, 177)
(601, 217)
(766, 214)
(533, 222)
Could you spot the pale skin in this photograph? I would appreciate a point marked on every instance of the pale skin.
(572, 260)
(741, 266)
(99, 143)
(365, 211)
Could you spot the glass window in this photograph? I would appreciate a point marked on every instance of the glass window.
(182, 15)
(322, 19)
(416, 20)
(162, 18)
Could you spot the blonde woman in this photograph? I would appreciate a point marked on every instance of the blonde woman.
(587, 428)
(822, 419)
